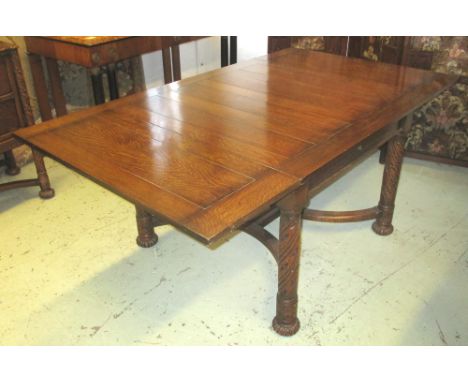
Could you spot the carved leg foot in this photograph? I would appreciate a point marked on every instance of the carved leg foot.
(393, 160)
(286, 322)
(46, 191)
(11, 166)
(382, 229)
(286, 329)
(146, 237)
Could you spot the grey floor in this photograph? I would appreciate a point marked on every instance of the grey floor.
(71, 273)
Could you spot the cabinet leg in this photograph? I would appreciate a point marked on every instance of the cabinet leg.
(146, 236)
(40, 86)
(112, 78)
(286, 322)
(233, 50)
(98, 87)
(56, 87)
(167, 65)
(10, 161)
(224, 51)
(46, 191)
(176, 70)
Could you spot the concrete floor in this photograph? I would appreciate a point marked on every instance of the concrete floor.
(71, 273)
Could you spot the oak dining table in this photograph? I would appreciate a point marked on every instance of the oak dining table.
(235, 148)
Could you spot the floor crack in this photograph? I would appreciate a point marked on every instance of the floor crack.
(441, 333)
(367, 291)
(97, 328)
(130, 304)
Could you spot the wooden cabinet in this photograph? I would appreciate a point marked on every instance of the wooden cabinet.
(15, 113)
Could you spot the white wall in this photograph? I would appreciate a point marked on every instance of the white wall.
(202, 56)
(251, 46)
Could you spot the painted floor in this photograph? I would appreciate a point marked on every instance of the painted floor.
(72, 274)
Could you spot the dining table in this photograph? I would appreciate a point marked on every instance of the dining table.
(234, 149)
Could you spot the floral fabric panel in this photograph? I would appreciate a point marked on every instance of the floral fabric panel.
(440, 127)
(308, 42)
(426, 43)
(371, 51)
(452, 58)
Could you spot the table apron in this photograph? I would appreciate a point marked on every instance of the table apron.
(345, 162)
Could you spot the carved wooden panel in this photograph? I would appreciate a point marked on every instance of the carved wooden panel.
(15, 110)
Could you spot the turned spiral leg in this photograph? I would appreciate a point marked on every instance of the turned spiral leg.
(46, 191)
(286, 322)
(146, 236)
(393, 160)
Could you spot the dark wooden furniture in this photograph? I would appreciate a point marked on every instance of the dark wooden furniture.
(235, 148)
(15, 113)
(228, 50)
(95, 52)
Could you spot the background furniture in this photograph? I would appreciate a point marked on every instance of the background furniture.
(330, 44)
(440, 128)
(15, 113)
(94, 53)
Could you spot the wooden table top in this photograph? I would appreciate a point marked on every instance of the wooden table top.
(4, 46)
(211, 152)
(86, 40)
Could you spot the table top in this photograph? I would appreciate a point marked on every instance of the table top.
(211, 152)
(4, 46)
(86, 40)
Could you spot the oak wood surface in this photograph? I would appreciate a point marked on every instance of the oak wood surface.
(210, 153)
